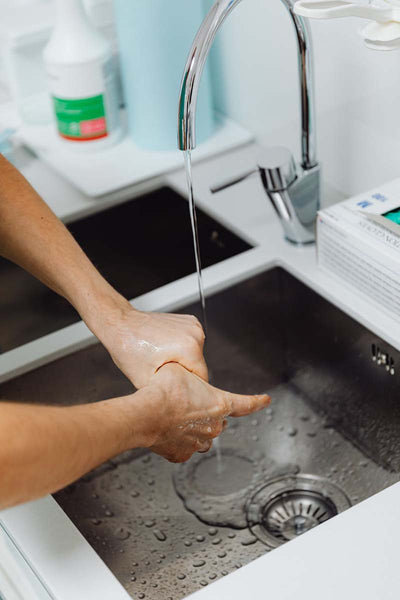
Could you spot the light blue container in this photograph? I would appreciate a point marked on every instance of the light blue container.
(155, 37)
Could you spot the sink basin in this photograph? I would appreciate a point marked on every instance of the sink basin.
(134, 258)
(328, 441)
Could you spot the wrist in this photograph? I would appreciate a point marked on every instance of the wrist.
(102, 309)
(142, 412)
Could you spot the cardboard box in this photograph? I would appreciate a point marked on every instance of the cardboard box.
(358, 240)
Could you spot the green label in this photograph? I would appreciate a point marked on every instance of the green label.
(81, 119)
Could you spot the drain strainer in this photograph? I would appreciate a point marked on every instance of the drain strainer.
(288, 506)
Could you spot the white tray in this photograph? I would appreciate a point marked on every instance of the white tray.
(102, 172)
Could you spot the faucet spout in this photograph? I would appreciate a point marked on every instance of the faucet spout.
(195, 64)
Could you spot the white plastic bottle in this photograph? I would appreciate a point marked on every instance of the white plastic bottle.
(82, 80)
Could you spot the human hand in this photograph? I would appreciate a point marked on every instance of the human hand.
(142, 342)
(190, 412)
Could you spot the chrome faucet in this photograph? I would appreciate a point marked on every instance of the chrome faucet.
(293, 190)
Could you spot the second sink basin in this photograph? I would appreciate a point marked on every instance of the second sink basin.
(138, 246)
(328, 440)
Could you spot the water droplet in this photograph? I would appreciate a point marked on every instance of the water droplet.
(181, 576)
(212, 576)
(231, 535)
(160, 535)
(212, 531)
(188, 543)
(95, 496)
(149, 523)
(292, 432)
(135, 494)
(141, 596)
(216, 541)
(151, 481)
(200, 538)
(146, 459)
(133, 578)
(221, 554)
(121, 533)
(109, 513)
(224, 573)
(199, 563)
(203, 582)
(249, 541)
(96, 521)
(311, 434)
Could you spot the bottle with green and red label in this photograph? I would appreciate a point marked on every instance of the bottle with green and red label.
(82, 79)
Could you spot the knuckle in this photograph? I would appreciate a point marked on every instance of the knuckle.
(224, 406)
(195, 320)
(217, 430)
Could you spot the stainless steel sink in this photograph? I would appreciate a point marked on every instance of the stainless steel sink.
(329, 440)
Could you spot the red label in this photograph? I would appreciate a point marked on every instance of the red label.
(94, 127)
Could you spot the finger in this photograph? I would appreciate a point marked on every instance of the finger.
(210, 431)
(204, 447)
(175, 454)
(245, 405)
(198, 368)
(188, 319)
(195, 321)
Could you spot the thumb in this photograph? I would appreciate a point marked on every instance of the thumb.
(245, 405)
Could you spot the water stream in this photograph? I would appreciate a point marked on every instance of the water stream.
(195, 232)
(196, 244)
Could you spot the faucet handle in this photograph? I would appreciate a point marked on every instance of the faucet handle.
(293, 194)
(233, 181)
(277, 168)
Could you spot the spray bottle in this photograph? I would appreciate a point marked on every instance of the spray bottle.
(82, 80)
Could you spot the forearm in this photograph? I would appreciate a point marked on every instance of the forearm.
(34, 238)
(45, 448)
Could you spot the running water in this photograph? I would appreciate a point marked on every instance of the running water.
(196, 244)
(195, 232)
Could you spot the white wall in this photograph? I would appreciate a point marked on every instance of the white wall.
(357, 91)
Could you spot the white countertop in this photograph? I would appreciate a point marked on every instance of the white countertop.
(353, 555)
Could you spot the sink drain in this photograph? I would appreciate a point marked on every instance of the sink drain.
(286, 507)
